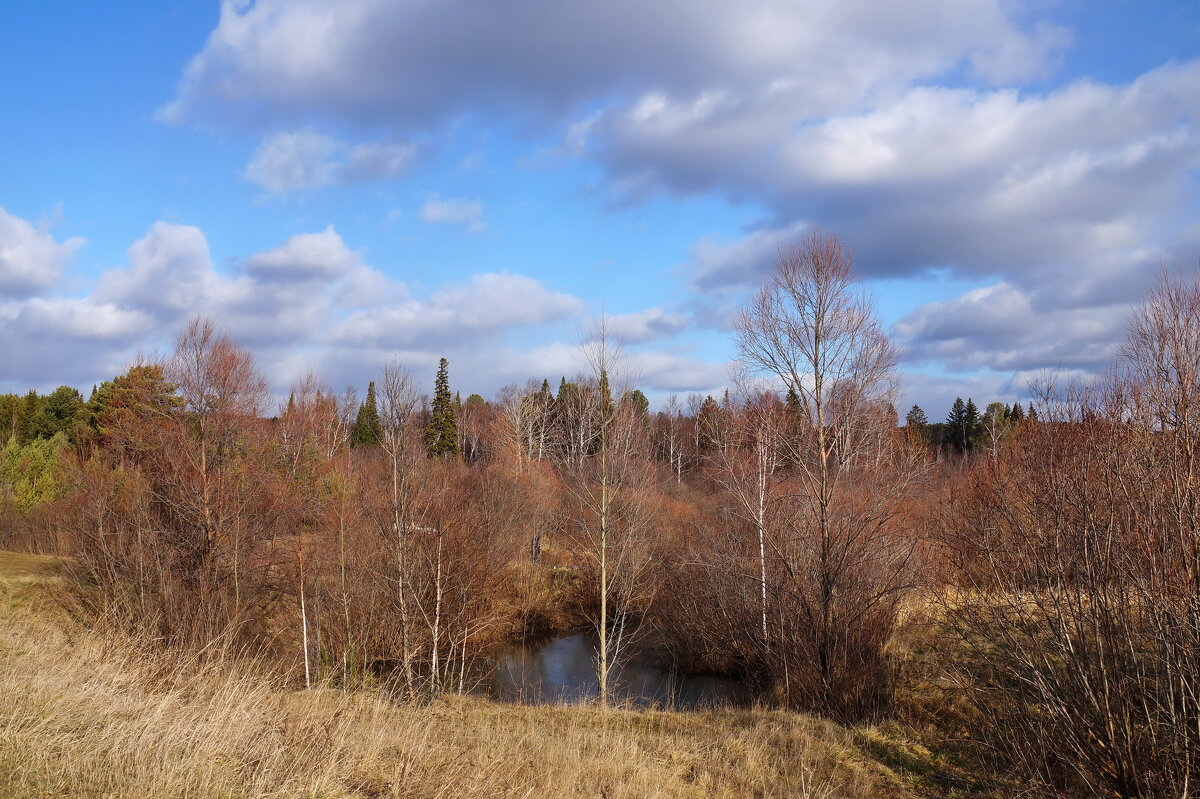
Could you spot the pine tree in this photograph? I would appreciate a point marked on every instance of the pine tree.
(441, 433)
(367, 431)
(637, 400)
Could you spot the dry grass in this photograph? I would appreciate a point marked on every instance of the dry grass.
(85, 715)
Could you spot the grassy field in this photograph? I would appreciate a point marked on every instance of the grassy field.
(86, 715)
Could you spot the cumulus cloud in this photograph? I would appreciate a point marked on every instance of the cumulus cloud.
(307, 256)
(909, 129)
(468, 213)
(305, 160)
(716, 263)
(487, 304)
(414, 63)
(311, 301)
(980, 180)
(30, 259)
(49, 340)
(647, 325)
(170, 272)
(998, 327)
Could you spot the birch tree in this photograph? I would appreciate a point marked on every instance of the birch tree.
(810, 328)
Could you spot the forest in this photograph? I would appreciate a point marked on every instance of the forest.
(1016, 587)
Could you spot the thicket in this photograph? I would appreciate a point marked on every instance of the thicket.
(1041, 568)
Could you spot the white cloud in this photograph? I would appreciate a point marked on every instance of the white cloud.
(487, 304)
(468, 213)
(170, 273)
(31, 260)
(413, 63)
(647, 325)
(306, 160)
(312, 302)
(306, 256)
(52, 340)
(997, 327)
(716, 263)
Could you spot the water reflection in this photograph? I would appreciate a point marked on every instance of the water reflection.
(564, 670)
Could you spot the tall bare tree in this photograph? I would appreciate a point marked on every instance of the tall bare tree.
(608, 463)
(813, 330)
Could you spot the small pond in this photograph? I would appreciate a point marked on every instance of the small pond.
(563, 670)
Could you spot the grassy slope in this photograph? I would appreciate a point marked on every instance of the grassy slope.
(83, 715)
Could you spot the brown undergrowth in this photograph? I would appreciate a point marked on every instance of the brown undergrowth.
(90, 714)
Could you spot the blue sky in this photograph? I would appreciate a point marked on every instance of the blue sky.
(339, 184)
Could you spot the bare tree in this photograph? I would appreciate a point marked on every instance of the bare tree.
(603, 490)
(811, 329)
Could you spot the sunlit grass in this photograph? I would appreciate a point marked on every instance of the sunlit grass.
(90, 715)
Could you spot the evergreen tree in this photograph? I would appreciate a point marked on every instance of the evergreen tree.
(367, 431)
(916, 418)
(793, 400)
(62, 411)
(708, 423)
(973, 423)
(606, 399)
(31, 406)
(441, 433)
(957, 426)
(142, 392)
(638, 401)
(1017, 415)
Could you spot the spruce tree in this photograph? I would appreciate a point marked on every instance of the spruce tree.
(956, 423)
(916, 418)
(709, 423)
(441, 433)
(367, 430)
(793, 400)
(973, 424)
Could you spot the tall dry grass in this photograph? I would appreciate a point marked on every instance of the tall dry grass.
(88, 714)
